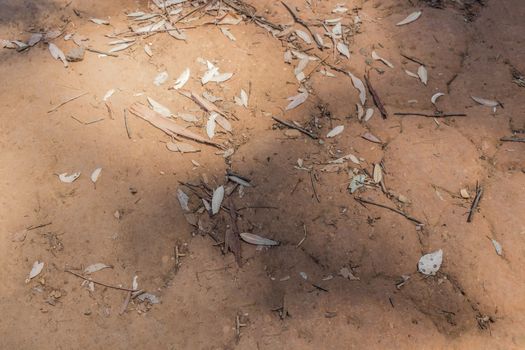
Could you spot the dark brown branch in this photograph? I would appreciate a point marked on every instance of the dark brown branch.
(512, 139)
(376, 98)
(395, 210)
(100, 283)
(475, 202)
(304, 24)
(436, 115)
(413, 59)
(293, 126)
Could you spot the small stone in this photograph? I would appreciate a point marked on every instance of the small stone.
(76, 54)
(292, 133)
(464, 193)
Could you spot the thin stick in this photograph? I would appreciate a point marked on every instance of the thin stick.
(317, 66)
(303, 23)
(438, 115)
(126, 123)
(192, 12)
(293, 126)
(38, 226)
(66, 101)
(100, 283)
(313, 187)
(512, 139)
(236, 6)
(376, 98)
(413, 59)
(90, 49)
(304, 238)
(362, 200)
(125, 305)
(475, 202)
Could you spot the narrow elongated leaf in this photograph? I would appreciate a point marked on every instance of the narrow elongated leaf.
(497, 247)
(96, 267)
(182, 79)
(335, 131)
(376, 57)
(422, 74)
(244, 98)
(68, 178)
(378, 173)
(36, 269)
(181, 147)
(57, 54)
(369, 114)
(343, 49)
(410, 18)
(297, 100)
(257, 240)
(411, 74)
(183, 199)
(99, 21)
(358, 84)
(108, 94)
(485, 102)
(121, 47)
(95, 174)
(216, 201)
(304, 36)
(228, 34)
(157, 107)
(210, 125)
(147, 50)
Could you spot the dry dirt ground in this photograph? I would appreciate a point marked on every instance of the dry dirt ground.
(476, 300)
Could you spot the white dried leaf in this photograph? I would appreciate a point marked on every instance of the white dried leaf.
(358, 84)
(327, 73)
(297, 100)
(121, 47)
(378, 173)
(175, 33)
(411, 74)
(136, 14)
(57, 54)
(182, 79)
(35, 270)
(228, 34)
(410, 18)
(210, 97)
(303, 63)
(303, 35)
(303, 275)
(68, 178)
(210, 125)
(288, 56)
(319, 39)
(96, 267)
(95, 174)
(99, 21)
(183, 199)
(161, 78)
(187, 117)
(257, 240)
(434, 97)
(360, 111)
(157, 107)
(336, 131)
(223, 122)
(147, 50)
(135, 283)
(497, 246)
(240, 181)
(213, 75)
(108, 94)
(337, 29)
(340, 9)
(35, 39)
(369, 114)
(216, 201)
(485, 102)
(376, 57)
(181, 147)
(429, 264)
(422, 74)
(244, 98)
(343, 49)
(464, 193)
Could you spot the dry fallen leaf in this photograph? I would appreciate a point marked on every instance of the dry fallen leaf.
(434, 97)
(121, 47)
(57, 54)
(369, 113)
(376, 57)
(157, 107)
(370, 137)
(303, 35)
(358, 84)
(410, 18)
(183, 199)
(182, 79)
(97, 267)
(95, 174)
(257, 240)
(429, 264)
(343, 49)
(411, 74)
(210, 125)
(147, 50)
(35, 271)
(378, 173)
(108, 94)
(422, 74)
(99, 21)
(64, 177)
(216, 201)
(485, 102)
(464, 193)
(497, 247)
(228, 34)
(181, 147)
(335, 131)
(297, 100)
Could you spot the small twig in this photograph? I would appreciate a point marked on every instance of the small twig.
(126, 123)
(258, 207)
(313, 187)
(450, 82)
(66, 101)
(436, 115)
(297, 184)
(293, 126)
(512, 139)
(100, 283)
(125, 304)
(304, 238)
(90, 49)
(362, 200)
(475, 202)
(110, 110)
(376, 98)
(413, 59)
(235, 4)
(38, 226)
(192, 12)
(304, 24)
(317, 66)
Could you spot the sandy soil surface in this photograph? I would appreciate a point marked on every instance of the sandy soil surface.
(345, 275)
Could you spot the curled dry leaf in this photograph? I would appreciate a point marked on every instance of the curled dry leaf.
(376, 57)
(336, 131)
(95, 174)
(343, 49)
(297, 100)
(464, 193)
(157, 107)
(35, 270)
(68, 178)
(369, 114)
(257, 240)
(429, 264)
(485, 102)
(97, 267)
(182, 79)
(303, 35)
(434, 97)
(183, 199)
(410, 18)
(216, 201)
(422, 74)
(358, 84)
(378, 173)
